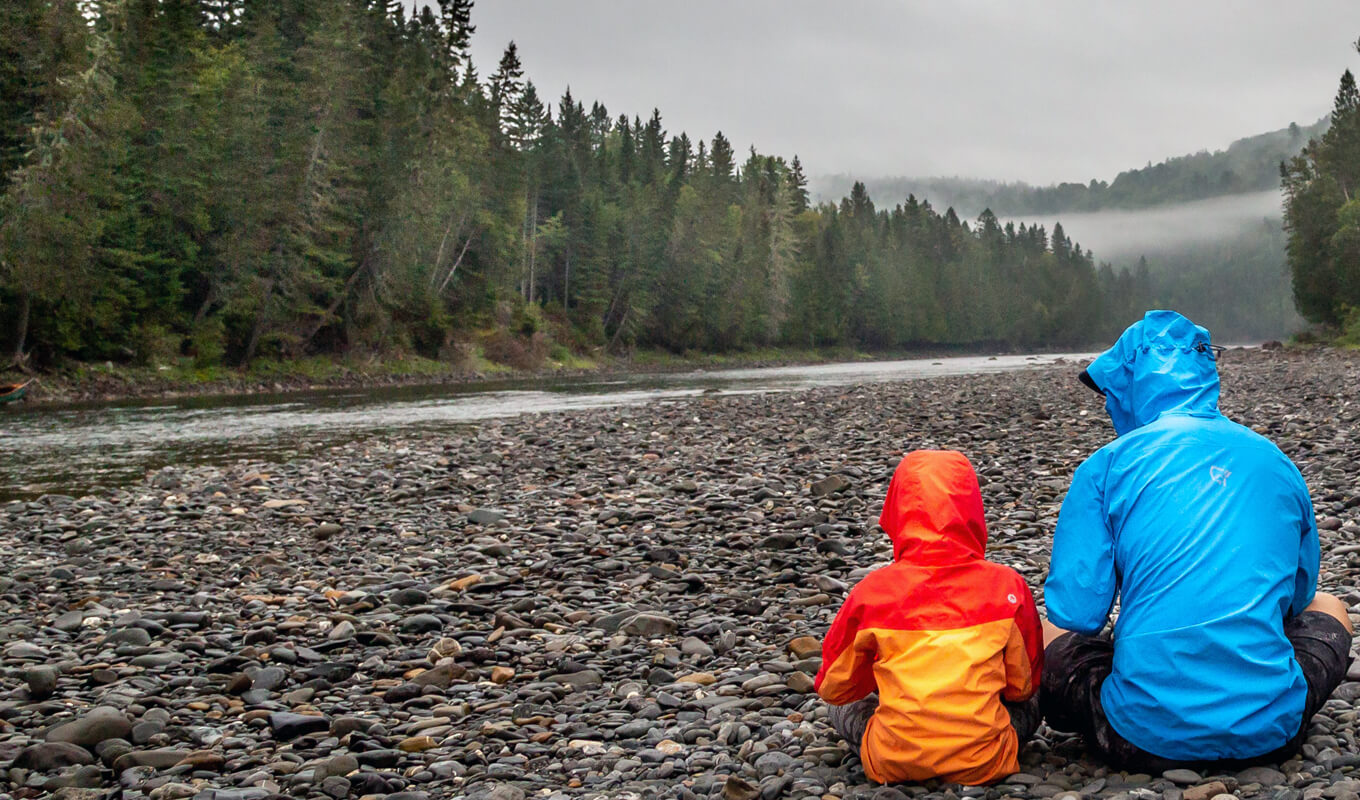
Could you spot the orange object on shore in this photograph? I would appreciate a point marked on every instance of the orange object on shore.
(941, 634)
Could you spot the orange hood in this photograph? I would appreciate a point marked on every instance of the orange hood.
(933, 512)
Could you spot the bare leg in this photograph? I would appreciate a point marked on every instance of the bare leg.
(1324, 603)
(1052, 631)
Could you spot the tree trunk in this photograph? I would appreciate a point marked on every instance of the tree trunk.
(619, 331)
(454, 268)
(533, 248)
(439, 255)
(21, 330)
(206, 306)
(258, 329)
(332, 308)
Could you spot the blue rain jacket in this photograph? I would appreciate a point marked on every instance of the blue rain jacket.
(1204, 531)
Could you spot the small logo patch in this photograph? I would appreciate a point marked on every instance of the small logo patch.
(1219, 476)
(1010, 598)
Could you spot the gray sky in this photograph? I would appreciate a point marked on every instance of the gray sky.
(1034, 91)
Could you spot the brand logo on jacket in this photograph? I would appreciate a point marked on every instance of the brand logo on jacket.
(1219, 476)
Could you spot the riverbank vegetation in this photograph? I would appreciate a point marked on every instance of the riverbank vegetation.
(216, 183)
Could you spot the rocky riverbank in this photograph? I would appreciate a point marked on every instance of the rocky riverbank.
(624, 602)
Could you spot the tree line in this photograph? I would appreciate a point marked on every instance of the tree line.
(1322, 218)
(230, 180)
(1251, 164)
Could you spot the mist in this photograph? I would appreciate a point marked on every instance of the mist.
(1220, 261)
(1121, 236)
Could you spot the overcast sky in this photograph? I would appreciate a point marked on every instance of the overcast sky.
(1034, 91)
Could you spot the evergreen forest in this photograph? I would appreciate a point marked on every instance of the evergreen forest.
(224, 181)
(1322, 218)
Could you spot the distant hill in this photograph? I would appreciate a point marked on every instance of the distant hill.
(1247, 165)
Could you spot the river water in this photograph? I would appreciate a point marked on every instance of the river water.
(79, 449)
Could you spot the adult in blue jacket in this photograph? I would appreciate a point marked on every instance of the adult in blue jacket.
(1204, 532)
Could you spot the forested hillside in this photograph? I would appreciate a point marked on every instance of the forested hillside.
(218, 181)
(1165, 221)
(1322, 216)
(1247, 165)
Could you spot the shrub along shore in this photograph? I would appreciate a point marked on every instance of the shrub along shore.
(107, 381)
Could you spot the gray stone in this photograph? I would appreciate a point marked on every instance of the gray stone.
(1266, 776)
(773, 762)
(139, 637)
(485, 516)
(42, 681)
(830, 485)
(47, 756)
(495, 791)
(648, 625)
(94, 727)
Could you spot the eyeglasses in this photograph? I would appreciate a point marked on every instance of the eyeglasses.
(1213, 350)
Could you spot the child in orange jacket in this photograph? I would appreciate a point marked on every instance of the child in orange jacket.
(950, 641)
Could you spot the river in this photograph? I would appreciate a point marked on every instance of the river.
(79, 449)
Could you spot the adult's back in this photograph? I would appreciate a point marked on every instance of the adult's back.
(1204, 531)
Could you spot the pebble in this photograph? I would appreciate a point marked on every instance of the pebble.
(1183, 777)
(623, 602)
(42, 681)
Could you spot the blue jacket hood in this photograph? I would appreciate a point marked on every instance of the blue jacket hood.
(1160, 363)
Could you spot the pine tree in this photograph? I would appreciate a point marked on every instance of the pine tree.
(455, 19)
(798, 186)
(506, 87)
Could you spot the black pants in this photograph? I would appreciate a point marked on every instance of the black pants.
(1076, 666)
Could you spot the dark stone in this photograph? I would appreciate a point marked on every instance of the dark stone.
(287, 725)
(42, 681)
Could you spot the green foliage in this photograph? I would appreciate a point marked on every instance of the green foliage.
(237, 184)
(1322, 215)
(1350, 328)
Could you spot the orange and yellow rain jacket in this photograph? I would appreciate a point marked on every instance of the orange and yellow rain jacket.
(941, 634)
